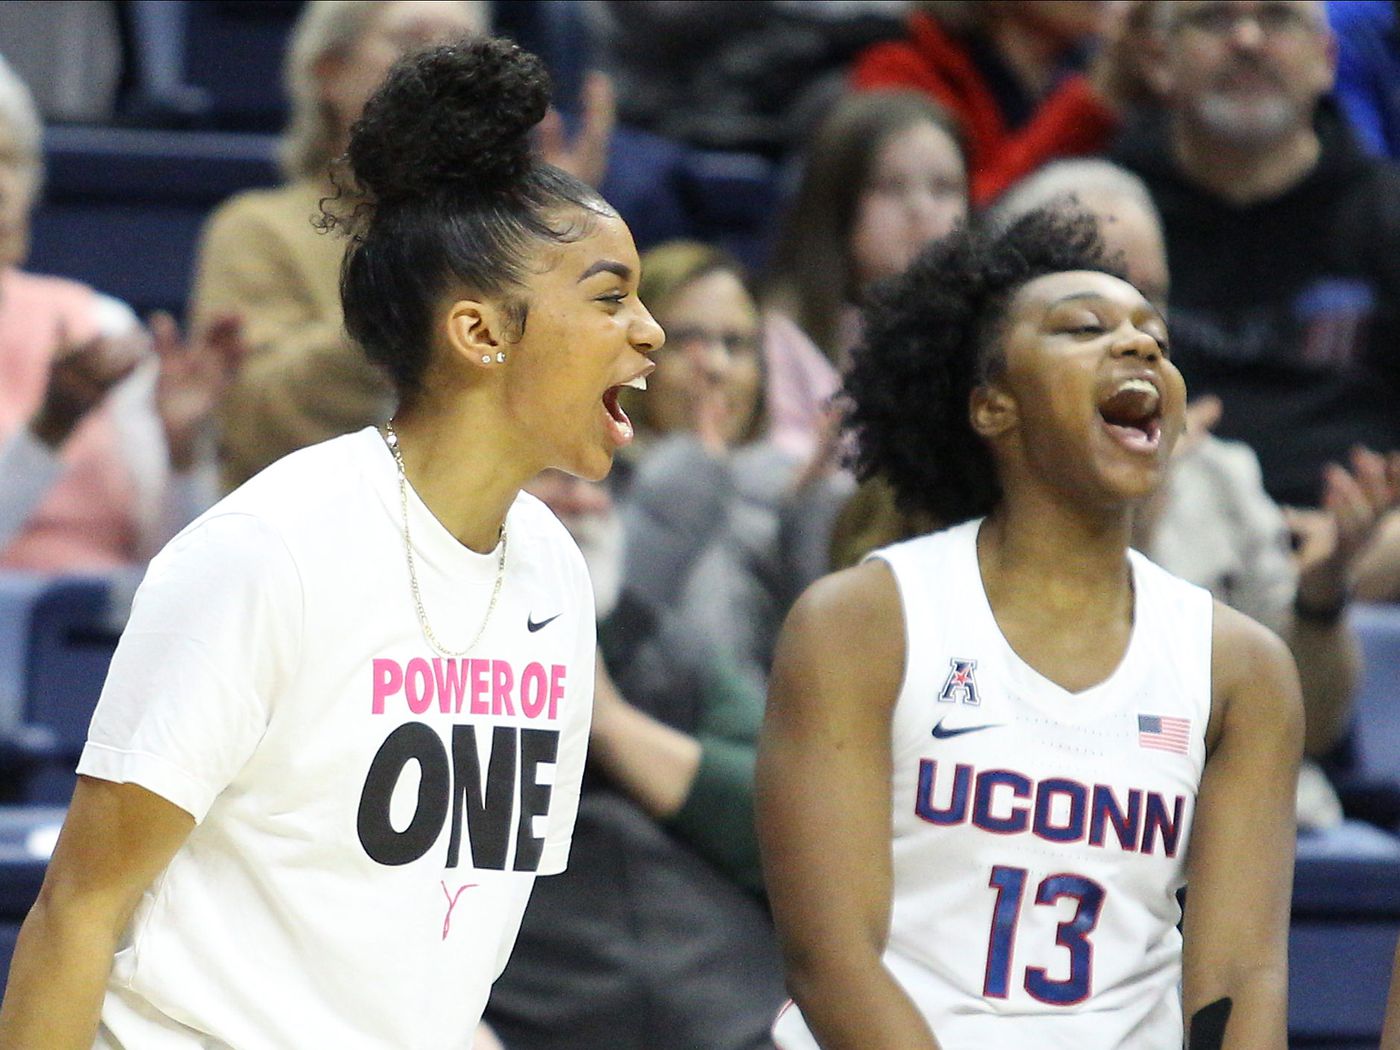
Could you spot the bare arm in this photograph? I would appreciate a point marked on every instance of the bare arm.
(653, 762)
(824, 810)
(1329, 664)
(116, 839)
(1241, 862)
(1339, 542)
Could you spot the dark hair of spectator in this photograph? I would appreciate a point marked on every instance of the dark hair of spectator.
(931, 336)
(811, 274)
(453, 201)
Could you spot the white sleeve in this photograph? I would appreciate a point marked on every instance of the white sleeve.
(28, 469)
(215, 632)
(574, 723)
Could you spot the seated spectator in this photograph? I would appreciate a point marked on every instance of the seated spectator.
(262, 256)
(1284, 240)
(1022, 78)
(1212, 523)
(657, 934)
(103, 445)
(882, 176)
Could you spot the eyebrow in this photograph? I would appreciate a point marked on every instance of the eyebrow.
(606, 266)
(1077, 296)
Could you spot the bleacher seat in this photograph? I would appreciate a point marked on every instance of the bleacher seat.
(122, 209)
(1345, 922)
(1378, 700)
(27, 835)
(56, 641)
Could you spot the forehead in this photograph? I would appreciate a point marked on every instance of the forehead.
(716, 289)
(916, 142)
(604, 238)
(1049, 290)
(427, 20)
(1313, 9)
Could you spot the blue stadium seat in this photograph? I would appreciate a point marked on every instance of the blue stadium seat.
(27, 834)
(56, 641)
(1378, 700)
(1345, 922)
(123, 209)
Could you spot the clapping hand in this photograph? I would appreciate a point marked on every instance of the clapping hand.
(1329, 539)
(586, 156)
(80, 376)
(193, 376)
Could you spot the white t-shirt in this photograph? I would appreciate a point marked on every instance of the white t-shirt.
(370, 816)
(1039, 837)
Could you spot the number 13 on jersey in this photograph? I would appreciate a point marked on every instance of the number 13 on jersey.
(1073, 935)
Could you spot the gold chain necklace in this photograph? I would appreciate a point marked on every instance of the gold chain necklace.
(392, 440)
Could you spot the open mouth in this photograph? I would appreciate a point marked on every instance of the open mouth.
(619, 425)
(1132, 415)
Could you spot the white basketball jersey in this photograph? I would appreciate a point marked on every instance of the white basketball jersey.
(1039, 836)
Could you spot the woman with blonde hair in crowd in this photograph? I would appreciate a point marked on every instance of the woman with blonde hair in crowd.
(263, 258)
(103, 454)
(657, 934)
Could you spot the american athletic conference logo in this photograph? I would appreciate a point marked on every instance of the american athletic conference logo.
(960, 686)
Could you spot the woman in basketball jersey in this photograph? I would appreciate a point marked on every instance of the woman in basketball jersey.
(345, 728)
(994, 754)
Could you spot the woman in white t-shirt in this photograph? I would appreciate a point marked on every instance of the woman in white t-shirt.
(345, 728)
(994, 754)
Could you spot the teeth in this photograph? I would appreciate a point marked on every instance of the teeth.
(1141, 386)
(639, 383)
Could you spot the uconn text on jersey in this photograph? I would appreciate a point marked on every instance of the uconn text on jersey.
(1056, 809)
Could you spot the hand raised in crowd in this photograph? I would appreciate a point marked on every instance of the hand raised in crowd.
(1329, 539)
(80, 376)
(193, 376)
(585, 156)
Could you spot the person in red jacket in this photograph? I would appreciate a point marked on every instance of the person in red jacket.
(1027, 81)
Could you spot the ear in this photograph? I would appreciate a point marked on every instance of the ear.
(475, 331)
(992, 411)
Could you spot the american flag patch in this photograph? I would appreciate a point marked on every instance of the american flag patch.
(1164, 734)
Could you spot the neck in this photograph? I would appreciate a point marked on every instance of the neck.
(462, 467)
(1056, 553)
(1244, 172)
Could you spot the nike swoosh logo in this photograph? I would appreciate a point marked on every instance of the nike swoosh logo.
(940, 733)
(532, 626)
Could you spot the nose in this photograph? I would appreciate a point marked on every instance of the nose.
(1138, 344)
(1246, 33)
(645, 333)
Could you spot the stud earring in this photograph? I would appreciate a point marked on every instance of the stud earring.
(485, 359)
(500, 357)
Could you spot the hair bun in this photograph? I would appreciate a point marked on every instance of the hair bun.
(452, 119)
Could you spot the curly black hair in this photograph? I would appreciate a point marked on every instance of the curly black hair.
(449, 196)
(931, 335)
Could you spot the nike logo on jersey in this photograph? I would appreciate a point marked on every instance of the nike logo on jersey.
(532, 625)
(939, 733)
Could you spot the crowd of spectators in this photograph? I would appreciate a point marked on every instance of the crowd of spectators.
(1237, 153)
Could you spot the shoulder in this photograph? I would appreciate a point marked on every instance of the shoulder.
(265, 212)
(855, 612)
(841, 654)
(319, 489)
(1253, 678)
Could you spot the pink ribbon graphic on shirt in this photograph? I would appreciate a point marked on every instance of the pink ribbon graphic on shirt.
(452, 903)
